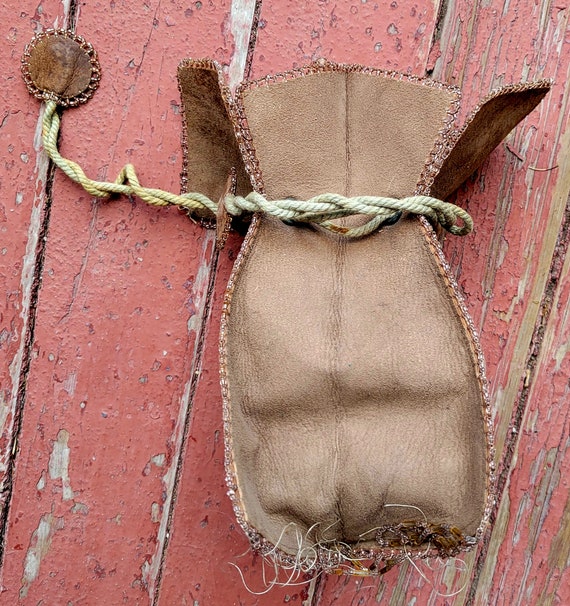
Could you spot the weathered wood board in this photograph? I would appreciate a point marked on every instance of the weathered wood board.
(110, 410)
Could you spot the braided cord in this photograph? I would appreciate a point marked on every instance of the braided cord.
(321, 209)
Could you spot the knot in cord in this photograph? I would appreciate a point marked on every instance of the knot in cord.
(321, 210)
(324, 208)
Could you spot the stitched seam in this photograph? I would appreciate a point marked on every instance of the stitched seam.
(347, 136)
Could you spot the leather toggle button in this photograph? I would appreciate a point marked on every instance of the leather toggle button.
(60, 66)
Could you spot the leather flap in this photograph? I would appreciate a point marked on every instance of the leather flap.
(484, 129)
(211, 150)
(344, 129)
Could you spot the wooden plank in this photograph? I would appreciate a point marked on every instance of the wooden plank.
(386, 34)
(511, 269)
(504, 267)
(528, 556)
(204, 529)
(22, 205)
(118, 317)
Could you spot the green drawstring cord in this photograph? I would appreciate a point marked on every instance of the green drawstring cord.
(321, 209)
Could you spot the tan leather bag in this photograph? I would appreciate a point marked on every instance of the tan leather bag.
(356, 410)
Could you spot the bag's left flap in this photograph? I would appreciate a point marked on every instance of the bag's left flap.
(211, 150)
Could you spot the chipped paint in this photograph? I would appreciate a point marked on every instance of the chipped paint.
(40, 544)
(42, 481)
(66, 4)
(26, 286)
(150, 570)
(560, 354)
(4, 412)
(70, 383)
(558, 555)
(201, 285)
(241, 18)
(59, 463)
(80, 508)
(159, 460)
(549, 481)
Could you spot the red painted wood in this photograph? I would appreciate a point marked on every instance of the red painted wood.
(22, 200)
(513, 230)
(532, 562)
(384, 33)
(118, 314)
(124, 287)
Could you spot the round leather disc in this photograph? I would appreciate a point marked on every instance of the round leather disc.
(60, 66)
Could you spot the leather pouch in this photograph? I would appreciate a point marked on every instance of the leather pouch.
(356, 411)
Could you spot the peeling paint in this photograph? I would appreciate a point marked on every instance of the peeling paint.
(26, 283)
(4, 411)
(116, 519)
(546, 487)
(38, 549)
(200, 286)
(146, 573)
(66, 11)
(241, 18)
(59, 463)
(159, 460)
(560, 354)
(70, 383)
(80, 508)
(42, 481)
(151, 569)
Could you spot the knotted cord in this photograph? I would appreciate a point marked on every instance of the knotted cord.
(321, 209)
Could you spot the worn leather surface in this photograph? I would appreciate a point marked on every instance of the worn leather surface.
(58, 64)
(344, 133)
(353, 382)
(352, 386)
(353, 392)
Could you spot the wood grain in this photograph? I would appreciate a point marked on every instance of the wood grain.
(118, 316)
(22, 219)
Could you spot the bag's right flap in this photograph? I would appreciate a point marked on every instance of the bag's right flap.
(484, 129)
